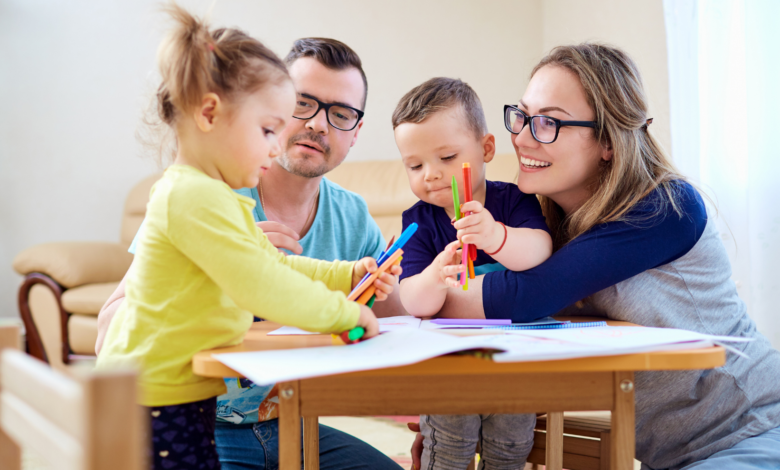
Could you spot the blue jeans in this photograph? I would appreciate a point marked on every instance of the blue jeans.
(256, 447)
(760, 452)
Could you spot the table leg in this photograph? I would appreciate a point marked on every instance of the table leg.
(311, 443)
(623, 425)
(554, 447)
(289, 426)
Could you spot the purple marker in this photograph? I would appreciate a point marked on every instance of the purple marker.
(470, 322)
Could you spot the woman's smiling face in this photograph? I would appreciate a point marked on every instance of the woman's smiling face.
(566, 169)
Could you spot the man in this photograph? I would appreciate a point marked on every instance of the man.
(304, 213)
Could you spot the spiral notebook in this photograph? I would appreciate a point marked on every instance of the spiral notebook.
(548, 326)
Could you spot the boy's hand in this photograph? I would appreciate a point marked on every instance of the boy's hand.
(384, 282)
(447, 266)
(479, 228)
(368, 321)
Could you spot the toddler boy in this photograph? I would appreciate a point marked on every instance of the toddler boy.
(438, 126)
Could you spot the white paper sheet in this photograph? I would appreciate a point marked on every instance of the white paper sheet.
(385, 324)
(395, 348)
(410, 345)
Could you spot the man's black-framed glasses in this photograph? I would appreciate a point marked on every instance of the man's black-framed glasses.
(544, 129)
(339, 115)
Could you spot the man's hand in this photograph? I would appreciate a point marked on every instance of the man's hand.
(479, 228)
(384, 282)
(281, 236)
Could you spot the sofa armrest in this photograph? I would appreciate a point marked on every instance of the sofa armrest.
(73, 264)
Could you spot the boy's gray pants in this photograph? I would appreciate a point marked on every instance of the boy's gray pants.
(450, 441)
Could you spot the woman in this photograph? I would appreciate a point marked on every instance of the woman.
(633, 242)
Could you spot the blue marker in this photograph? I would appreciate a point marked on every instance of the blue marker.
(405, 236)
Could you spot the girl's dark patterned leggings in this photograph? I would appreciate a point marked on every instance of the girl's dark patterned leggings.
(183, 436)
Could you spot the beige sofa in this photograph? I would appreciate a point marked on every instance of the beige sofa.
(66, 283)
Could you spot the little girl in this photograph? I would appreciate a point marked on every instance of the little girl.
(202, 267)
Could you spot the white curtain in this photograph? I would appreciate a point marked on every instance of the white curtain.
(724, 81)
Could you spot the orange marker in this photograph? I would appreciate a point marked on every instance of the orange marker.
(371, 290)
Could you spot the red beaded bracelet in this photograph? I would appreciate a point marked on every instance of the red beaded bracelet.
(502, 243)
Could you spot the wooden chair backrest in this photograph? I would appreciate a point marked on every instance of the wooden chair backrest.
(10, 453)
(85, 422)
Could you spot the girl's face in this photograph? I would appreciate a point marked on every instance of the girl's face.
(249, 140)
(565, 169)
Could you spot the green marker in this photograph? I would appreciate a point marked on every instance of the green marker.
(353, 335)
(456, 198)
(356, 333)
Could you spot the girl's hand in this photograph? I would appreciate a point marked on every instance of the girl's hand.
(384, 282)
(368, 321)
(447, 265)
(479, 228)
(281, 236)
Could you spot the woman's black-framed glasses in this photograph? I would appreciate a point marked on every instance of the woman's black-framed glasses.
(339, 115)
(544, 129)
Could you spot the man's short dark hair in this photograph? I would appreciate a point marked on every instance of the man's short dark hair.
(331, 53)
(439, 94)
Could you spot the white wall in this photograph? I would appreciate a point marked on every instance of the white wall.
(636, 27)
(75, 77)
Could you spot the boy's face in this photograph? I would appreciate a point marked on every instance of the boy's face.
(435, 150)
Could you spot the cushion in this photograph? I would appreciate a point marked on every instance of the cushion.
(82, 333)
(74, 264)
(89, 299)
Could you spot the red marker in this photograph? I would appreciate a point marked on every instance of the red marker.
(469, 198)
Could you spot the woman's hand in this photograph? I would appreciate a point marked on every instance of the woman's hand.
(384, 282)
(281, 236)
(368, 321)
(479, 228)
(447, 266)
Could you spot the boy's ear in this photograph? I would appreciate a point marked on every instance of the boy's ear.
(211, 108)
(489, 147)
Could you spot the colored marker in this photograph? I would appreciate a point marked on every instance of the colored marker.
(353, 336)
(370, 302)
(360, 289)
(368, 296)
(470, 321)
(405, 236)
(456, 198)
(469, 197)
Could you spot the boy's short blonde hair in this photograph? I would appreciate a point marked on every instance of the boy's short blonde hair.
(438, 94)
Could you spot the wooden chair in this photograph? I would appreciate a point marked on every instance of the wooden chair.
(586, 441)
(10, 453)
(84, 422)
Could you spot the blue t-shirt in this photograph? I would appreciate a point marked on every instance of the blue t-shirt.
(342, 230)
(504, 201)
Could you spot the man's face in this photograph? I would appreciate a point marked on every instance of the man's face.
(313, 147)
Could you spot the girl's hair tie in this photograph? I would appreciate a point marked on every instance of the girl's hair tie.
(211, 48)
(648, 122)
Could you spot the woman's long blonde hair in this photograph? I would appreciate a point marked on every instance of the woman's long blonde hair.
(639, 165)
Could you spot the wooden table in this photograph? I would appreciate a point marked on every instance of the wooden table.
(461, 385)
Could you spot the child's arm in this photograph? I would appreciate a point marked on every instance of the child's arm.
(423, 295)
(523, 248)
(204, 227)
